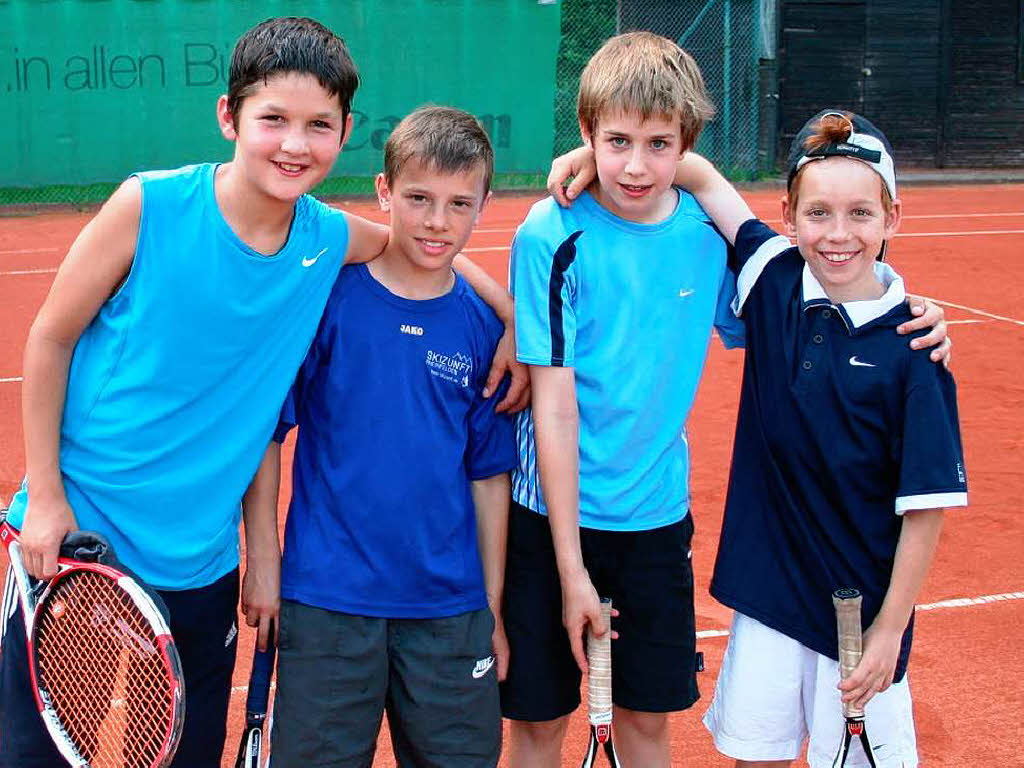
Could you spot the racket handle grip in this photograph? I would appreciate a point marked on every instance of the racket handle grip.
(259, 682)
(599, 675)
(847, 603)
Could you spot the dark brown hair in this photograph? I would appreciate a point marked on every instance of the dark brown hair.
(291, 44)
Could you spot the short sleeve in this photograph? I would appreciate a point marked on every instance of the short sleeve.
(756, 245)
(543, 283)
(932, 464)
(490, 447)
(731, 329)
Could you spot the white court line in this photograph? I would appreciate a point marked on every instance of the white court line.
(963, 233)
(965, 322)
(976, 311)
(11, 380)
(29, 250)
(46, 271)
(956, 602)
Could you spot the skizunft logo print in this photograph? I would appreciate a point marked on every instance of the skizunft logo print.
(455, 368)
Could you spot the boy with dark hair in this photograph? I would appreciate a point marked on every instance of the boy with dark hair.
(155, 370)
(392, 579)
(847, 448)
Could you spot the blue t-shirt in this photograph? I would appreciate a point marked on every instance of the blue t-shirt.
(392, 430)
(630, 308)
(842, 428)
(175, 387)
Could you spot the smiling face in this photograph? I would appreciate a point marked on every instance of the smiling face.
(287, 135)
(432, 213)
(840, 222)
(636, 161)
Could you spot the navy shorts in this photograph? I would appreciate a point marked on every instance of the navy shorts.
(337, 674)
(203, 624)
(649, 577)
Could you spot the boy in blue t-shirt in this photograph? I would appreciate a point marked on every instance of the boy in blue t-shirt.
(394, 551)
(156, 368)
(847, 448)
(616, 298)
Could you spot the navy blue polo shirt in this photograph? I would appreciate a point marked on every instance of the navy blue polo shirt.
(842, 428)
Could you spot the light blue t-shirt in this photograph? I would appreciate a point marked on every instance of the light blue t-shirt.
(630, 307)
(175, 387)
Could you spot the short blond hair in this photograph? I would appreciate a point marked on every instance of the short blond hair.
(645, 74)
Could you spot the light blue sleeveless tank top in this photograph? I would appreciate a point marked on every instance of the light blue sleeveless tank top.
(176, 386)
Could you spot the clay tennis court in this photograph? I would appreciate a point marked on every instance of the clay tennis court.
(961, 246)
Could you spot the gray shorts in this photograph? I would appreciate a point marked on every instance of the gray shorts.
(338, 673)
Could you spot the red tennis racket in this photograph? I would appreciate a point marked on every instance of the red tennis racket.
(847, 604)
(599, 691)
(105, 672)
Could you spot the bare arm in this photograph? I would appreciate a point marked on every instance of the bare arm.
(261, 585)
(366, 239)
(490, 499)
(97, 263)
(716, 196)
(919, 536)
(556, 430)
(498, 299)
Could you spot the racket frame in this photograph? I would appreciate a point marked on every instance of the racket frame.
(250, 748)
(34, 600)
(600, 722)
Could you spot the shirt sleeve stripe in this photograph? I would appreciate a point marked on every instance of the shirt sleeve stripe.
(755, 265)
(563, 259)
(930, 501)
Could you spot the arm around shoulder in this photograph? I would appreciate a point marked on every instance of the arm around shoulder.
(719, 199)
(366, 239)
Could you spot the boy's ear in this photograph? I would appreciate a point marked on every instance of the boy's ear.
(787, 217)
(588, 140)
(225, 119)
(347, 130)
(893, 218)
(383, 192)
(483, 203)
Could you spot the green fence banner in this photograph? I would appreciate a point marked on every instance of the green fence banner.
(96, 89)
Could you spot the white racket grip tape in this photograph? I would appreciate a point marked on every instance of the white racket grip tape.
(599, 676)
(848, 624)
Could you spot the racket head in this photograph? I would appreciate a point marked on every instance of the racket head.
(105, 672)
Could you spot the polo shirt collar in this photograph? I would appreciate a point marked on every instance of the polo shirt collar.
(859, 313)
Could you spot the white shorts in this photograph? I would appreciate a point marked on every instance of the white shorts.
(774, 693)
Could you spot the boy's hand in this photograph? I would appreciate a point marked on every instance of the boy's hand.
(47, 521)
(929, 315)
(877, 666)
(499, 645)
(581, 607)
(518, 395)
(578, 163)
(261, 596)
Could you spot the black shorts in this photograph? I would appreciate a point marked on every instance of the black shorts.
(337, 674)
(203, 625)
(649, 577)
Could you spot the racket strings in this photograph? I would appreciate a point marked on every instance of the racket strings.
(95, 652)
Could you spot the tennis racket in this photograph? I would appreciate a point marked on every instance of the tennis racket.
(599, 691)
(847, 605)
(250, 750)
(105, 673)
